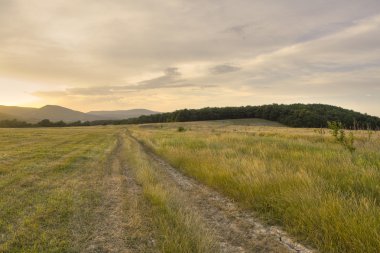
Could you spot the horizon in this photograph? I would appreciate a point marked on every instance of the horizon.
(176, 54)
(148, 109)
(39, 107)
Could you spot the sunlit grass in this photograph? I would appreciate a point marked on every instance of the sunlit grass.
(179, 228)
(297, 178)
(50, 183)
(54, 183)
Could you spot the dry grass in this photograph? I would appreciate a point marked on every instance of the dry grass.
(50, 182)
(68, 190)
(79, 189)
(71, 190)
(297, 178)
(179, 229)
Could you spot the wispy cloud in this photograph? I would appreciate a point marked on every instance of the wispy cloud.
(171, 79)
(117, 53)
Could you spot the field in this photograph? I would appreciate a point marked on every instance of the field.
(221, 186)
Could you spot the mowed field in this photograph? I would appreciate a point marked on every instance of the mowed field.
(52, 187)
(220, 186)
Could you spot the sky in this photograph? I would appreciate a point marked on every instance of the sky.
(170, 54)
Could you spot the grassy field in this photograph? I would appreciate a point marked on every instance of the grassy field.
(299, 178)
(96, 189)
(68, 190)
(178, 227)
(51, 187)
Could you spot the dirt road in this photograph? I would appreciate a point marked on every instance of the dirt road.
(236, 230)
(124, 224)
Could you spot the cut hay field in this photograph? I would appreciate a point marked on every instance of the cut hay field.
(220, 186)
(51, 184)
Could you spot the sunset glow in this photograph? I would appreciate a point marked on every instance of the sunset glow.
(167, 55)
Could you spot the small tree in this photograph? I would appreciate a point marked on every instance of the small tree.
(335, 128)
(338, 132)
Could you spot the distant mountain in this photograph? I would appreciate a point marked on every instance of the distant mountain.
(51, 112)
(122, 114)
(4, 116)
(58, 113)
(16, 112)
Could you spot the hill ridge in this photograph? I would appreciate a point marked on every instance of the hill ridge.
(60, 113)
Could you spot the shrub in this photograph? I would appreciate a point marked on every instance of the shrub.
(181, 129)
(339, 134)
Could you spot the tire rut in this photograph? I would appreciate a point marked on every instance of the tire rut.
(236, 230)
(123, 225)
(108, 235)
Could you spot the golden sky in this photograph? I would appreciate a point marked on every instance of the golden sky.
(172, 54)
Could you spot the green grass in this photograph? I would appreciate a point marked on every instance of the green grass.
(179, 229)
(57, 186)
(50, 185)
(297, 178)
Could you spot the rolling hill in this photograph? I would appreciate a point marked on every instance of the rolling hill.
(58, 113)
(51, 112)
(16, 112)
(4, 116)
(294, 115)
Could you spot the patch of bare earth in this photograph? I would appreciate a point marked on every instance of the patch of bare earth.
(123, 223)
(236, 230)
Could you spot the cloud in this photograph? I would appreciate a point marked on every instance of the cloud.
(291, 50)
(239, 30)
(224, 68)
(171, 79)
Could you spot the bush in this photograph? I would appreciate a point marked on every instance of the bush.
(181, 129)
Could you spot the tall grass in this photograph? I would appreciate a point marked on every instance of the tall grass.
(303, 181)
(179, 228)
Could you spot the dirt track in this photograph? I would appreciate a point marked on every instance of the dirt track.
(125, 223)
(236, 230)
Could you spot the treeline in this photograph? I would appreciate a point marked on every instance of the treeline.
(294, 115)
(43, 123)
